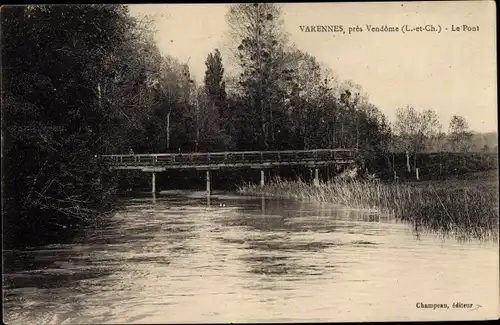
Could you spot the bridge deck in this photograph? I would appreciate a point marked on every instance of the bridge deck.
(238, 159)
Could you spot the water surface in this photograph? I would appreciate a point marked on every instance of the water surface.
(182, 258)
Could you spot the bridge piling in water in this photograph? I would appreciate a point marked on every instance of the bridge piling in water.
(208, 182)
(153, 182)
(262, 178)
(316, 177)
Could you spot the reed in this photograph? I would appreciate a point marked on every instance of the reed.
(466, 209)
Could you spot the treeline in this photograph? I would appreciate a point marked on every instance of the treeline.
(280, 98)
(477, 142)
(431, 165)
(421, 131)
(84, 80)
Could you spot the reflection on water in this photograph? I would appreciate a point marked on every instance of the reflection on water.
(183, 257)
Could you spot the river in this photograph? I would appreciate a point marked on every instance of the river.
(179, 257)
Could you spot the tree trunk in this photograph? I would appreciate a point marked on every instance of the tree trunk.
(168, 131)
(271, 123)
(408, 161)
(440, 164)
(259, 93)
(99, 94)
(342, 135)
(197, 129)
(357, 131)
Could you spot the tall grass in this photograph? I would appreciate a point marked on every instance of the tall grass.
(466, 209)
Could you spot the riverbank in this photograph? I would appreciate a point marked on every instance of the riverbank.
(466, 206)
(436, 166)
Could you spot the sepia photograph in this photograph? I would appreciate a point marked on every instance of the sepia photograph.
(249, 162)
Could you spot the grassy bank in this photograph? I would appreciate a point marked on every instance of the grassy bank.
(464, 207)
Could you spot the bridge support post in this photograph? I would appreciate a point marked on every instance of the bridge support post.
(262, 178)
(316, 177)
(208, 182)
(153, 182)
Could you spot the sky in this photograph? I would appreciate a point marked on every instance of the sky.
(451, 72)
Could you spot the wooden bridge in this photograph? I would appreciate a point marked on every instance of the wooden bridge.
(155, 163)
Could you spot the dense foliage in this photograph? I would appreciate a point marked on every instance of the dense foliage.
(53, 60)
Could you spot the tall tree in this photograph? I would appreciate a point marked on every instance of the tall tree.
(176, 89)
(429, 130)
(215, 85)
(130, 91)
(257, 29)
(415, 131)
(216, 96)
(460, 135)
(374, 129)
(300, 81)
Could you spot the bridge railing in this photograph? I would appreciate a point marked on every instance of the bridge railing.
(228, 157)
